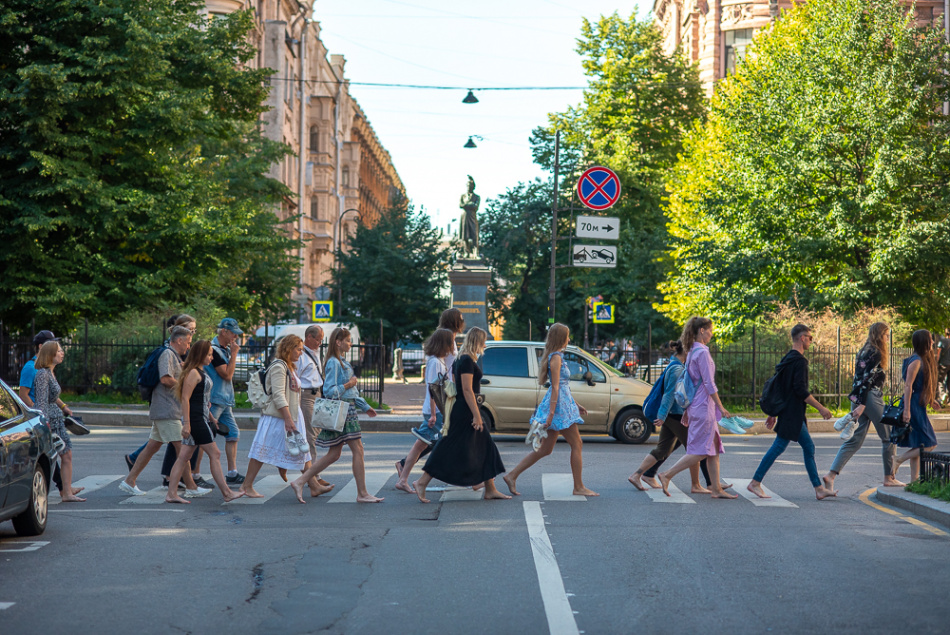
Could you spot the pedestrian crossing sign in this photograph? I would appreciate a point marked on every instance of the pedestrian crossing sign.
(322, 311)
(604, 313)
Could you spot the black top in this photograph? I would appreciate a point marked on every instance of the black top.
(793, 382)
(868, 375)
(464, 365)
(943, 345)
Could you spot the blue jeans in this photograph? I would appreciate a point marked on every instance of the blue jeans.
(779, 446)
(226, 417)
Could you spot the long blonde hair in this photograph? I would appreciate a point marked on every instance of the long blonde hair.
(691, 330)
(878, 342)
(474, 343)
(194, 361)
(46, 358)
(556, 340)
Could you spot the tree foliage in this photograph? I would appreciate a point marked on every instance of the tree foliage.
(132, 167)
(821, 176)
(395, 271)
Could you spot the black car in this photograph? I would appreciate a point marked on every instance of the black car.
(27, 455)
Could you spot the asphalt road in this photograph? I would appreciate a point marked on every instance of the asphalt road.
(619, 563)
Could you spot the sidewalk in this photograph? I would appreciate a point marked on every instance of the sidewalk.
(917, 504)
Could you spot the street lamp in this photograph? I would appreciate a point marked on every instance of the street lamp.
(337, 239)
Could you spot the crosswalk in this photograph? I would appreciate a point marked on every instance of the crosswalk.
(556, 487)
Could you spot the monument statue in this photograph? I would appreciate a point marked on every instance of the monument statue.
(468, 225)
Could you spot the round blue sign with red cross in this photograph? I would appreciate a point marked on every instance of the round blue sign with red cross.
(599, 188)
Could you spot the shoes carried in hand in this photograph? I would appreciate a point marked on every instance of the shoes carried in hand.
(842, 422)
(302, 444)
(849, 429)
(731, 425)
(291, 442)
(536, 434)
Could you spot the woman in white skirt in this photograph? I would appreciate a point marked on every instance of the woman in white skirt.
(280, 439)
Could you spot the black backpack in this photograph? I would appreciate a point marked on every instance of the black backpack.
(147, 377)
(772, 402)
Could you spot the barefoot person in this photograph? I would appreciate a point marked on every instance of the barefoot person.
(281, 439)
(790, 425)
(673, 433)
(439, 345)
(467, 455)
(920, 389)
(194, 394)
(558, 413)
(704, 412)
(867, 402)
(340, 383)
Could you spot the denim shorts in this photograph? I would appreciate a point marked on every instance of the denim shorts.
(226, 417)
(432, 434)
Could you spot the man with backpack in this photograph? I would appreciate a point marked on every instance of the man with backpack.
(784, 399)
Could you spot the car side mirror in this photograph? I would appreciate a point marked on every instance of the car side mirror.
(589, 378)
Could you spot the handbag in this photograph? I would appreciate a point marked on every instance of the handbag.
(685, 388)
(894, 414)
(329, 414)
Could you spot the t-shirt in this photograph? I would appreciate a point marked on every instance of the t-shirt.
(27, 375)
(222, 390)
(434, 368)
(164, 404)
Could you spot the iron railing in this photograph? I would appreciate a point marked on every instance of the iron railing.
(935, 466)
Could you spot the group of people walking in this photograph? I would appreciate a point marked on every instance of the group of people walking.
(186, 418)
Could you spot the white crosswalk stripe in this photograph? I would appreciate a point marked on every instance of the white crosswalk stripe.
(375, 481)
(559, 487)
(5, 605)
(462, 494)
(90, 484)
(269, 486)
(676, 496)
(740, 485)
(152, 497)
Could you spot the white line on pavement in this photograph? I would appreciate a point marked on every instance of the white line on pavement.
(676, 496)
(466, 494)
(5, 605)
(86, 510)
(374, 482)
(557, 607)
(154, 496)
(559, 487)
(31, 545)
(740, 485)
(269, 486)
(91, 484)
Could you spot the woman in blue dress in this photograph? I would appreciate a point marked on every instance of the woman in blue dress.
(557, 413)
(920, 389)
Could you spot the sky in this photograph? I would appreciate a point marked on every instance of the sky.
(492, 43)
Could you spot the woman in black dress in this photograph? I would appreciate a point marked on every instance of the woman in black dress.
(466, 455)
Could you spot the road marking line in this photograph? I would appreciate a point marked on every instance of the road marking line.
(676, 495)
(151, 497)
(559, 487)
(739, 486)
(865, 498)
(557, 607)
(269, 486)
(30, 545)
(5, 605)
(467, 494)
(86, 510)
(92, 483)
(375, 481)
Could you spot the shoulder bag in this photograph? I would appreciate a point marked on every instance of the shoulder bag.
(685, 388)
(442, 390)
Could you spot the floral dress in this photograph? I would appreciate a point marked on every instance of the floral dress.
(47, 392)
(566, 412)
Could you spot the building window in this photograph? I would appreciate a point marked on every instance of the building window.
(286, 82)
(346, 176)
(314, 209)
(736, 43)
(314, 139)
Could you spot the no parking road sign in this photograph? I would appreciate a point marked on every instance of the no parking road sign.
(322, 311)
(599, 188)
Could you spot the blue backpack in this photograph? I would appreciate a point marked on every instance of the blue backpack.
(651, 406)
(147, 377)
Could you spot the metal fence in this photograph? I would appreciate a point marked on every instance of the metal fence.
(935, 466)
(112, 367)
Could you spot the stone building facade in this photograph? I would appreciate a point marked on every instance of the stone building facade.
(339, 172)
(715, 33)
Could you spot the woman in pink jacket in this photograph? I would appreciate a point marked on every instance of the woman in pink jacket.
(704, 412)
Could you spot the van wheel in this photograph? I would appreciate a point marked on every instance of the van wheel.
(32, 521)
(632, 427)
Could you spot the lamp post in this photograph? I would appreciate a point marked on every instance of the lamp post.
(337, 240)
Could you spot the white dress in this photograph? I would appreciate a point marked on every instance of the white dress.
(269, 445)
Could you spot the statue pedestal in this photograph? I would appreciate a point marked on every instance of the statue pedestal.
(470, 280)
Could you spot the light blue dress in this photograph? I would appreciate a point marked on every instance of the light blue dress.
(566, 413)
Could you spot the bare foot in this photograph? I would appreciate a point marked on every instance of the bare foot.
(283, 473)
(325, 483)
(583, 491)
(890, 481)
(404, 487)
(821, 493)
(510, 482)
(369, 499)
(829, 482)
(756, 488)
(699, 489)
(398, 469)
(477, 487)
(724, 494)
(319, 490)
(73, 499)
(76, 490)
(231, 495)
(664, 482)
(252, 493)
(177, 499)
(652, 482)
(725, 485)
(298, 492)
(495, 495)
(420, 491)
(635, 481)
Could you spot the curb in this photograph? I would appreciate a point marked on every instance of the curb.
(917, 504)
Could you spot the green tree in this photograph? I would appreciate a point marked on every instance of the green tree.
(821, 177)
(395, 271)
(131, 161)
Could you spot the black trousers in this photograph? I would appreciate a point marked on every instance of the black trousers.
(673, 434)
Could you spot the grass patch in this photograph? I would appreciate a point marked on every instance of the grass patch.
(934, 489)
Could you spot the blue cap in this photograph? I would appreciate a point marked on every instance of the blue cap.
(230, 324)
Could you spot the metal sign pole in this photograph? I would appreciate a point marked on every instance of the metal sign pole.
(557, 148)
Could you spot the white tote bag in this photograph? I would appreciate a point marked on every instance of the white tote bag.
(329, 414)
